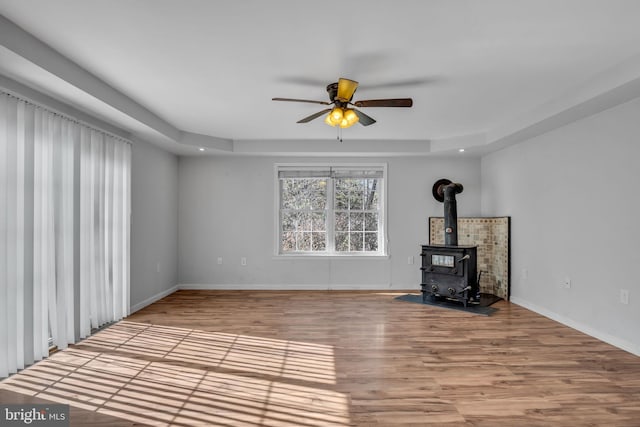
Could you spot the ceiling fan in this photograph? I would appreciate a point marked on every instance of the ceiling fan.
(342, 115)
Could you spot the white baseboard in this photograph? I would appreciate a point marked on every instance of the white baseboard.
(153, 299)
(609, 339)
(294, 287)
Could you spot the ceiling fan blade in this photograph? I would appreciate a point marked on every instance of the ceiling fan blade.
(346, 89)
(302, 100)
(398, 102)
(313, 116)
(364, 119)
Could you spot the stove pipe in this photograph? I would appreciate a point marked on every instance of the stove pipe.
(451, 213)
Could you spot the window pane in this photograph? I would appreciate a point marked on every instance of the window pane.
(321, 201)
(288, 242)
(289, 193)
(371, 242)
(304, 223)
(304, 193)
(342, 221)
(342, 242)
(341, 195)
(319, 241)
(304, 241)
(371, 197)
(349, 193)
(357, 221)
(314, 194)
(356, 193)
(371, 221)
(356, 243)
(297, 221)
(289, 221)
(319, 221)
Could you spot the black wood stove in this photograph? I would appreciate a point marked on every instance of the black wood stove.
(449, 271)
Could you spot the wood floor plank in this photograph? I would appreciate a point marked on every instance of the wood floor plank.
(322, 358)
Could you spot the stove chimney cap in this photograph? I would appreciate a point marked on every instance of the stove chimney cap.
(440, 186)
(437, 190)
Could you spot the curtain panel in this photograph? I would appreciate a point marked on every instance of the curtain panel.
(64, 231)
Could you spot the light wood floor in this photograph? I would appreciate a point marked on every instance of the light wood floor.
(269, 358)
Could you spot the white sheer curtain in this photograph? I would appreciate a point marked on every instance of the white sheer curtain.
(104, 229)
(64, 209)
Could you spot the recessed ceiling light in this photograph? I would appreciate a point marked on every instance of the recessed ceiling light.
(461, 150)
(201, 149)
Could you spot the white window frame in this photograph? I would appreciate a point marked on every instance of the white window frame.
(383, 241)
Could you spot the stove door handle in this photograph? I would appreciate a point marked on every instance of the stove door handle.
(464, 258)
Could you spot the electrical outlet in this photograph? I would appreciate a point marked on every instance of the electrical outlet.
(219, 260)
(566, 283)
(525, 274)
(624, 296)
(410, 260)
(243, 261)
(157, 267)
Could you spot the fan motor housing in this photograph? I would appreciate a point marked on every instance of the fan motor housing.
(332, 90)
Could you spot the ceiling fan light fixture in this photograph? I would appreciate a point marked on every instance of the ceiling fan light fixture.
(351, 117)
(336, 115)
(343, 117)
(328, 120)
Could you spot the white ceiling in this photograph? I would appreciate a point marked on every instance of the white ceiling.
(200, 72)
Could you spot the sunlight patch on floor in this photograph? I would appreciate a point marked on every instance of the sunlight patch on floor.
(161, 376)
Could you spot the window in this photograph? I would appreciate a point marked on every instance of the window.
(337, 210)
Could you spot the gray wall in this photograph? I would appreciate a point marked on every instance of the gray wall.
(226, 209)
(575, 206)
(154, 223)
